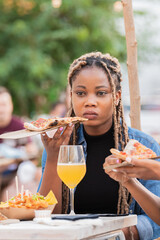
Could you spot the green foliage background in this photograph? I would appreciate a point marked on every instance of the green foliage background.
(39, 42)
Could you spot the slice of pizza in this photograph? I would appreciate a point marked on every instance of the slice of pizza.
(134, 149)
(42, 124)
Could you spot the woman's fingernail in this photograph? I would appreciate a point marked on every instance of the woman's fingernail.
(70, 124)
(43, 134)
(61, 129)
(114, 170)
(117, 161)
(128, 159)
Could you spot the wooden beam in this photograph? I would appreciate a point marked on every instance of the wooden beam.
(135, 106)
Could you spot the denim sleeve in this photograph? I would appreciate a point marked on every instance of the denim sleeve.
(151, 228)
(154, 187)
(43, 161)
(144, 228)
(147, 229)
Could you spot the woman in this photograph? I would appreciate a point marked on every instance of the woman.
(95, 83)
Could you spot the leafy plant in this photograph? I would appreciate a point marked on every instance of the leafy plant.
(38, 42)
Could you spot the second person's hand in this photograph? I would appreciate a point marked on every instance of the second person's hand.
(142, 169)
(117, 175)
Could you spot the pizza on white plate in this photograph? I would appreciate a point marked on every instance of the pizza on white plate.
(42, 124)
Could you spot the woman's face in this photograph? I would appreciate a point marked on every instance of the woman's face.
(92, 98)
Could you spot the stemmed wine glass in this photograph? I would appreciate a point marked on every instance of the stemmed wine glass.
(71, 168)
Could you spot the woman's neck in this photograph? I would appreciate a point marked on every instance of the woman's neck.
(98, 130)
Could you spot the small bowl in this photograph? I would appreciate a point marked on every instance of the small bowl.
(42, 213)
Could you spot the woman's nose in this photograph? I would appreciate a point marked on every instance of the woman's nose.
(90, 101)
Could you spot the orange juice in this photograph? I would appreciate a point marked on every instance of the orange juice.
(71, 174)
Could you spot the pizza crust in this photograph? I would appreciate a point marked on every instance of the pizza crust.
(52, 122)
(49, 124)
(30, 126)
(117, 153)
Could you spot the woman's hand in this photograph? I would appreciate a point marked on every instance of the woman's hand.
(141, 168)
(60, 137)
(117, 175)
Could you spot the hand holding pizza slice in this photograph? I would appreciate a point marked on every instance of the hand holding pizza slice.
(133, 150)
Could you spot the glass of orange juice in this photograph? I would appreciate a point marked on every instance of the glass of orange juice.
(71, 168)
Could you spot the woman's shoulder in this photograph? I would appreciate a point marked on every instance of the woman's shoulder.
(143, 138)
(135, 133)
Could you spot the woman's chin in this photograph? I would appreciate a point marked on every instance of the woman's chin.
(90, 123)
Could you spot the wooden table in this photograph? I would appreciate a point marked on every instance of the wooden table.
(101, 228)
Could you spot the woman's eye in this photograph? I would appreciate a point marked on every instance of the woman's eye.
(80, 93)
(101, 93)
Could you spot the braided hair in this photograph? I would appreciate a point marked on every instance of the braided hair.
(111, 67)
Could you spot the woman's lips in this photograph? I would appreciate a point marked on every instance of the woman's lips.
(90, 115)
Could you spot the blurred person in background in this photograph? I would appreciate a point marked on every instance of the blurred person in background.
(8, 122)
(22, 148)
(58, 109)
(28, 175)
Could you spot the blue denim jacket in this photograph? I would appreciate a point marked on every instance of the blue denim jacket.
(147, 229)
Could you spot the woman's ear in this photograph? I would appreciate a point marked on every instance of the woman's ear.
(118, 96)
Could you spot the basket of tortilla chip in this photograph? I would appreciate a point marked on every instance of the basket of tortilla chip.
(22, 207)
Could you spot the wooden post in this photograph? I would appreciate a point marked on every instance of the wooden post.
(135, 106)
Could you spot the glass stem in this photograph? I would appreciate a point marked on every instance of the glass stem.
(72, 201)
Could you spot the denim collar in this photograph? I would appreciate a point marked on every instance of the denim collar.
(80, 134)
